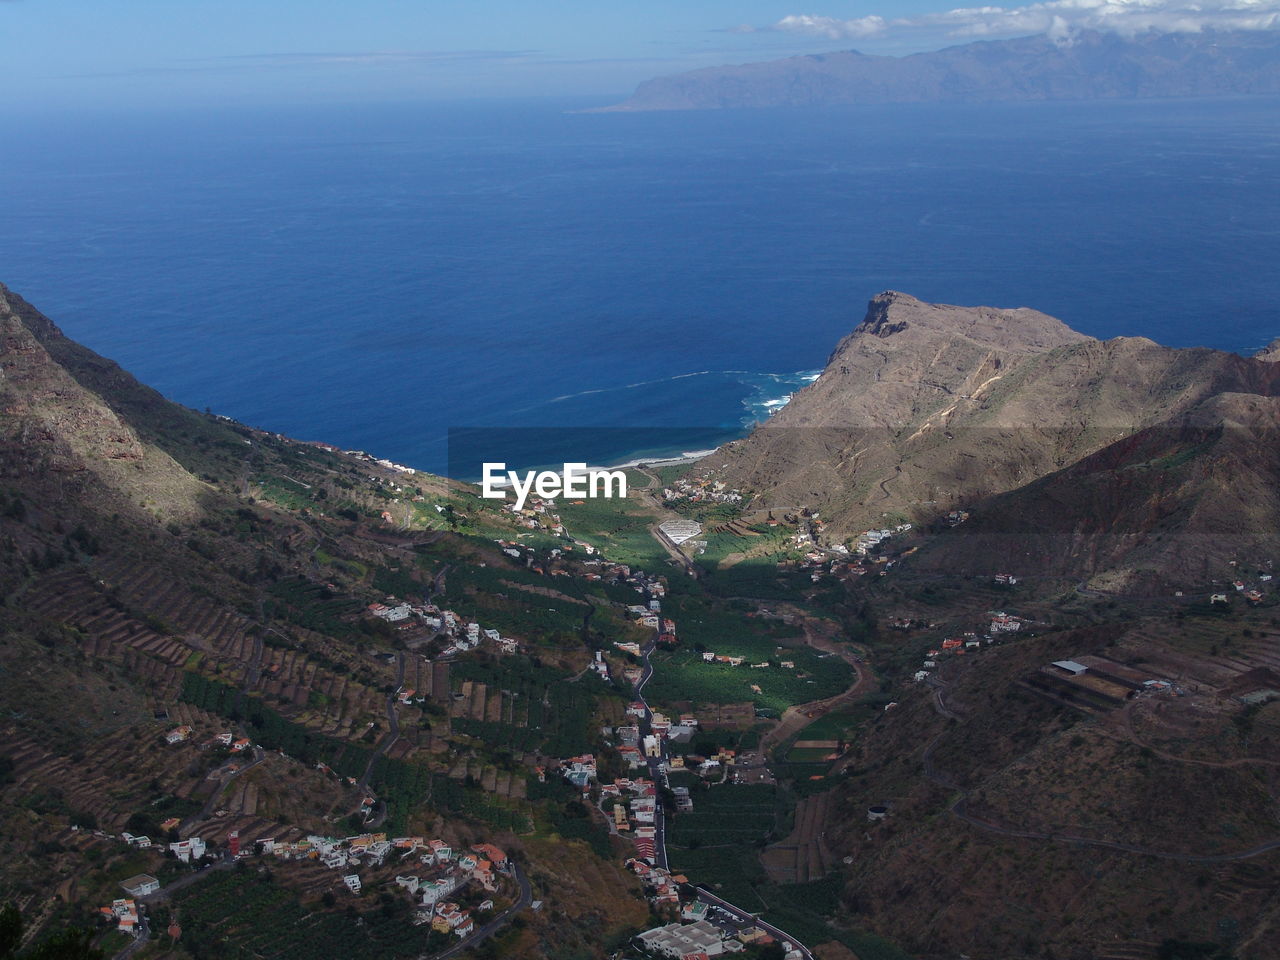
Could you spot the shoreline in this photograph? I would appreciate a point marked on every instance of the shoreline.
(692, 456)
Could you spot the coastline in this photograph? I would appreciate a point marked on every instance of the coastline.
(692, 456)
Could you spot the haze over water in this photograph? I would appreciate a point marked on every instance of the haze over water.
(372, 277)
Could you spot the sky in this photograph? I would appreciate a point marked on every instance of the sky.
(83, 53)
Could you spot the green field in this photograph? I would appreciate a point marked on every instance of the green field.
(726, 815)
(619, 529)
(682, 675)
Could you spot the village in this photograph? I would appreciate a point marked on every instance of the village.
(452, 890)
(447, 888)
(700, 927)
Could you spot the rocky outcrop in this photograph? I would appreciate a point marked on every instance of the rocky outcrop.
(924, 408)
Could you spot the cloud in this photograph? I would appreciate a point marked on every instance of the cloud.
(832, 28)
(1056, 18)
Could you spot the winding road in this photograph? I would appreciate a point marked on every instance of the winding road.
(494, 925)
(660, 844)
(393, 725)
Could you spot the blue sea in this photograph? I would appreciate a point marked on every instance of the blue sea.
(374, 277)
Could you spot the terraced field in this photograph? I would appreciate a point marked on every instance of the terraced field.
(529, 710)
(264, 919)
(803, 855)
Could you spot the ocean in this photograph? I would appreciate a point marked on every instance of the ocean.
(376, 277)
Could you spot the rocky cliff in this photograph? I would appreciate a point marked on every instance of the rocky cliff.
(926, 408)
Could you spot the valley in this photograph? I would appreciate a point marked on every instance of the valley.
(840, 718)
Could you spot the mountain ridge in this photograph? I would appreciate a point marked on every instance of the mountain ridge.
(915, 415)
(1090, 65)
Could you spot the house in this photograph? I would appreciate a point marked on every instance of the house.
(629, 734)
(493, 854)
(632, 755)
(484, 875)
(441, 852)
(484, 906)
(1004, 623)
(177, 734)
(352, 880)
(409, 883)
(694, 910)
(1218, 598)
(433, 891)
(142, 885)
(580, 771)
(240, 745)
(192, 848)
(124, 913)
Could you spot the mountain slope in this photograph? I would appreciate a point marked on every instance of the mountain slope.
(1173, 503)
(925, 408)
(55, 429)
(164, 568)
(1092, 66)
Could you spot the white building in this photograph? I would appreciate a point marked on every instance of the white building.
(678, 940)
(190, 849)
(141, 886)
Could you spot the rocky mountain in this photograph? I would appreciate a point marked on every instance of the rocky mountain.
(1090, 66)
(1171, 504)
(927, 408)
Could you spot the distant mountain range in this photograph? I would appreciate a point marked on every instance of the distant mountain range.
(1092, 66)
